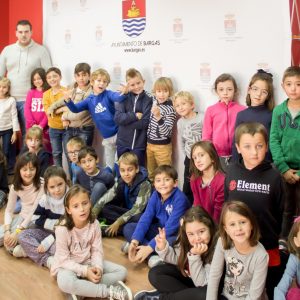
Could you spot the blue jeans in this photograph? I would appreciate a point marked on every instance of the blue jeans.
(9, 149)
(97, 191)
(57, 137)
(21, 117)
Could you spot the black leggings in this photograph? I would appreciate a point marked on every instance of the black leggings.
(172, 285)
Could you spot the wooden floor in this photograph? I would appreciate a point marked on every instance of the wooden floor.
(21, 279)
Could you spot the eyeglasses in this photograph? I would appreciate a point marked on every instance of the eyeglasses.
(255, 89)
(73, 152)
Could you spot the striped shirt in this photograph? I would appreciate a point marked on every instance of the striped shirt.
(160, 132)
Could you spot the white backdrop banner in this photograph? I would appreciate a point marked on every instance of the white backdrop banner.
(190, 41)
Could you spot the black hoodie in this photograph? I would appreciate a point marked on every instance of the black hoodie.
(262, 189)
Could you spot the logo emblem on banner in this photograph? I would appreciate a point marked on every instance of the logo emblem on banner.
(230, 24)
(205, 72)
(177, 27)
(134, 17)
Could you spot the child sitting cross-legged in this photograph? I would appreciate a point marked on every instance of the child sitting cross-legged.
(93, 178)
(164, 209)
(127, 199)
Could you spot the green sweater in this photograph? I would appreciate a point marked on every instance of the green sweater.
(285, 138)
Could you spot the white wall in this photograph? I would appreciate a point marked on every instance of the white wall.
(191, 41)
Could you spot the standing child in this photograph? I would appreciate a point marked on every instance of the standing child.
(56, 128)
(164, 209)
(189, 132)
(27, 186)
(207, 181)
(127, 199)
(219, 119)
(34, 144)
(33, 109)
(162, 119)
(285, 143)
(255, 182)
(81, 123)
(132, 116)
(3, 180)
(260, 102)
(101, 106)
(185, 274)
(284, 290)
(245, 257)
(93, 178)
(9, 124)
(78, 260)
(38, 243)
(74, 145)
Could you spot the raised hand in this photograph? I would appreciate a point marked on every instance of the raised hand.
(160, 239)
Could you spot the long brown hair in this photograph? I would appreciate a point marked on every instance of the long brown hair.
(66, 219)
(193, 214)
(293, 248)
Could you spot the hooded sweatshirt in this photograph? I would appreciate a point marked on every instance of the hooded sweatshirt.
(19, 62)
(262, 189)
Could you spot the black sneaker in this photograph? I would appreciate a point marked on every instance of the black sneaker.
(147, 295)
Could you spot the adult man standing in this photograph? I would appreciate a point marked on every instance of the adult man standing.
(19, 60)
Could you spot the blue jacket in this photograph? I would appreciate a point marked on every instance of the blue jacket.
(167, 213)
(102, 110)
(292, 271)
(132, 132)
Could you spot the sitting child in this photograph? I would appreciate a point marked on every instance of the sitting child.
(78, 261)
(127, 199)
(74, 145)
(93, 178)
(164, 209)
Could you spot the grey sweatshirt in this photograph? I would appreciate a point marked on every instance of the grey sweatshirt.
(19, 62)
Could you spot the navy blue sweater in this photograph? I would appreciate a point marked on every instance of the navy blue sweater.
(260, 114)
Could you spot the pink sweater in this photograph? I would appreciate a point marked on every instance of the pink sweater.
(77, 249)
(29, 199)
(218, 125)
(34, 109)
(210, 197)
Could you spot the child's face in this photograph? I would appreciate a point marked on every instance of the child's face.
(202, 160)
(33, 144)
(258, 92)
(197, 233)
(3, 90)
(37, 81)
(136, 85)
(99, 84)
(53, 79)
(89, 165)
(56, 187)
(184, 107)
(162, 95)
(291, 86)
(297, 239)
(128, 172)
(79, 209)
(253, 149)
(164, 184)
(82, 79)
(27, 173)
(73, 151)
(225, 91)
(238, 228)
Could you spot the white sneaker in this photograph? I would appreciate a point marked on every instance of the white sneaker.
(154, 260)
(49, 262)
(125, 247)
(19, 252)
(120, 291)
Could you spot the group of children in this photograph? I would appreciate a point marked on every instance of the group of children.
(244, 194)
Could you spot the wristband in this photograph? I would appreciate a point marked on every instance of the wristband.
(19, 230)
